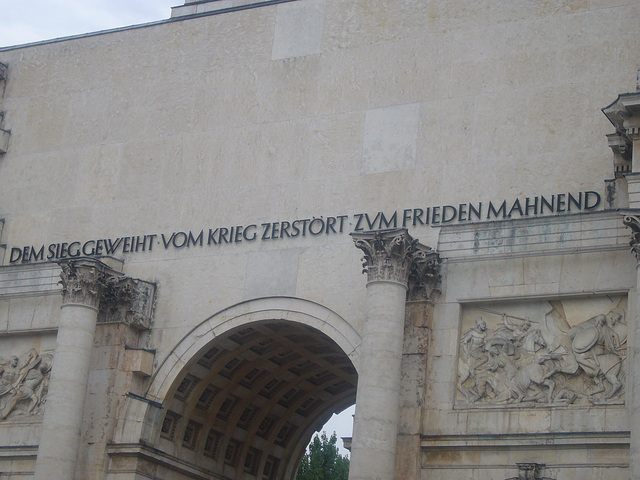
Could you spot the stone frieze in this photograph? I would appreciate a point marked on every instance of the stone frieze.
(544, 352)
(24, 384)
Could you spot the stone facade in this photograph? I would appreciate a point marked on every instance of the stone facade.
(180, 295)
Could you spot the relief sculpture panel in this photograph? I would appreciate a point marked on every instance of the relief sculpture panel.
(24, 383)
(543, 352)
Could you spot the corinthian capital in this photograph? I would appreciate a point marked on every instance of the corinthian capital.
(633, 222)
(82, 282)
(127, 300)
(392, 255)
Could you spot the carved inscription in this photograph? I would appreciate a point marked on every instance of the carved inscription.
(570, 351)
(24, 384)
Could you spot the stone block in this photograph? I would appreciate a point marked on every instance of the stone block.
(390, 135)
(139, 362)
(298, 29)
(4, 141)
(271, 273)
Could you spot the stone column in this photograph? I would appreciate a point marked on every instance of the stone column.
(82, 284)
(633, 377)
(391, 257)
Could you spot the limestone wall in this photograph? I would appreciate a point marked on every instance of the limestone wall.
(298, 110)
(509, 375)
(329, 108)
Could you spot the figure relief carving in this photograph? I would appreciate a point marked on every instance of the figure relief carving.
(393, 255)
(543, 353)
(24, 384)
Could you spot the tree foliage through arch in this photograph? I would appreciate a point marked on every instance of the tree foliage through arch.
(322, 461)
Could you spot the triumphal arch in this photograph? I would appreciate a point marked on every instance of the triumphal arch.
(220, 228)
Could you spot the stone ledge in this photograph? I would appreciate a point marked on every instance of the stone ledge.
(574, 233)
(582, 439)
(139, 452)
(27, 280)
(191, 8)
(18, 452)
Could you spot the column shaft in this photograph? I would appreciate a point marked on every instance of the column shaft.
(634, 388)
(62, 423)
(633, 378)
(82, 281)
(393, 262)
(376, 420)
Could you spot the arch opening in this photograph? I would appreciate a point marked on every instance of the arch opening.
(247, 405)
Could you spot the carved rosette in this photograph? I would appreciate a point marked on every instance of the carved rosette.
(127, 300)
(393, 256)
(82, 282)
(633, 222)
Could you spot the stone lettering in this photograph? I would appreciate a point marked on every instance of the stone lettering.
(296, 228)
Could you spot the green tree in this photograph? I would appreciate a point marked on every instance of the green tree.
(322, 461)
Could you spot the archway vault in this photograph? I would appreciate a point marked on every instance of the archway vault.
(244, 391)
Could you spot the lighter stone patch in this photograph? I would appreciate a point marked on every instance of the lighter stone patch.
(390, 135)
(271, 273)
(298, 30)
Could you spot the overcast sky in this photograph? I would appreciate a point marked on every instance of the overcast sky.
(26, 21)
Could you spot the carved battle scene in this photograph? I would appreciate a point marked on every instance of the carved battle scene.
(24, 382)
(555, 352)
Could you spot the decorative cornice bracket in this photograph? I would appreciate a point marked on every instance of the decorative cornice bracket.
(128, 300)
(394, 256)
(624, 115)
(633, 222)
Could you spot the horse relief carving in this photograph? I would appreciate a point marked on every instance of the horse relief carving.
(24, 383)
(543, 352)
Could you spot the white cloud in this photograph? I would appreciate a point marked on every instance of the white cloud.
(25, 21)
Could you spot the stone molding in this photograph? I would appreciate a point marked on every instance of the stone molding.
(394, 256)
(633, 222)
(212, 7)
(534, 236)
